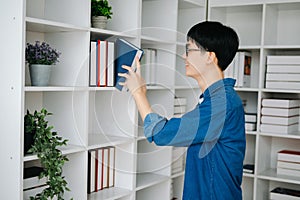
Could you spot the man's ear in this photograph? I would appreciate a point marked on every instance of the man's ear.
(212, 58)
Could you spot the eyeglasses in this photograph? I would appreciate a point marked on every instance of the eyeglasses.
(187, 50)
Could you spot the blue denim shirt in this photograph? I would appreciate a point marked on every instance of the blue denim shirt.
(214, 133)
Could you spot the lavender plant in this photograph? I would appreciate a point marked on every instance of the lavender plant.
(41, 53)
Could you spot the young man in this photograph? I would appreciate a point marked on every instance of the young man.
(214, 131)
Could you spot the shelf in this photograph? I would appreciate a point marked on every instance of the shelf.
(187, 4)
(54, 89)
(295, 135)
(153, 40)
(47, 26)
(158, 87)
(102, 89)
(100, 140)
(280, 91)
(246, 89)
(272, 175)
(65, 151)
(104, 32)
(109, 194)
(281, 47)
(251, 132)
(248, 175)
(145, 180)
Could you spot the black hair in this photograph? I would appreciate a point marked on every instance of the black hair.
(215, 37)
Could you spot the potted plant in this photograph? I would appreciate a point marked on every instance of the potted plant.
(46, 143)
(40, 57)
(101, 12)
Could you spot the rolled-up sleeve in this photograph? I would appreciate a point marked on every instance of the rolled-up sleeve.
(153, 123)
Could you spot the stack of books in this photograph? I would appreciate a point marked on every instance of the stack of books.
(102, 69)
(179, 106)
(101, 169)
(280, 193)
(240, 69)
(283, 72)
(178, 160)
(288, 163)
(248, 168)
(280, 116)
(148, 66)
(32, 184)
(250, 121)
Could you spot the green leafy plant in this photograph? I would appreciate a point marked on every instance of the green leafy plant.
(101, 8)
(46, 143)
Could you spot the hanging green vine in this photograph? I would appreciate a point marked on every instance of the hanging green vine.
(45, 146)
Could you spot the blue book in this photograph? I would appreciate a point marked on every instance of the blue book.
(125, 55)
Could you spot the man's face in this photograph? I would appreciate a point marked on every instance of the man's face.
(195, 60)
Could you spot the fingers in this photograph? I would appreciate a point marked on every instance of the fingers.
(125, 75)
(129, 69)
(138, 65)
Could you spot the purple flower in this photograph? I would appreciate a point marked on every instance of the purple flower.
(41, 53)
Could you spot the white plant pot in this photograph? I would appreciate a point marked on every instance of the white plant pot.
(99, 22)
(39, 74)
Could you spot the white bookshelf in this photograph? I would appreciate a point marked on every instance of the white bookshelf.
(94, 117)
(265, 28)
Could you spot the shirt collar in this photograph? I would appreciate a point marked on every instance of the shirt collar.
(215, 86)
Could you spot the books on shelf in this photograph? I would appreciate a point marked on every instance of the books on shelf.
(280, 193)
(248, 168)
(101, 168)
(125, 55)
(102, 63)
(179, 106)
(289, 156)
(281, 103)
(31, 178)
(283, 72)
(249, 126)
(280, 115)
(240, 69)
(148, 66)
(288, 163)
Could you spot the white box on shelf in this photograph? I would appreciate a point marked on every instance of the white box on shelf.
(289, 156)
(283, 59)
(281, 103)
(280, 112)
(279, 120)
(281, 129)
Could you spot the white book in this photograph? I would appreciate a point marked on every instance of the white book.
(33, 182)
(111, 165)
(283, 59)
(180, 101)
(284, 194)
(153, 67)
(179, 109)
(92, 170)
(288, 172)
(244, 67)
(281, 103)
(250, 126)
(288, 165)
(102, 63)
(110, 64)
(288, 156)
(280, 129)
(251, 117)
(105, 168)
(284, 68)
(146, 66)
(32, 192)
(283, 85)
(280, 112)
(93, 64)
(236, 69)
(282, 77)
(279, 120)
(99, 155)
